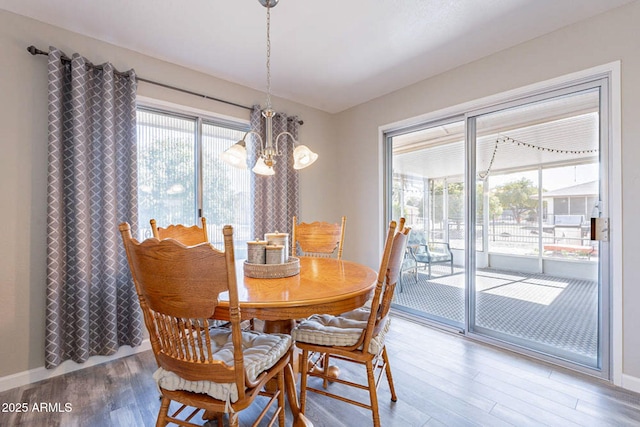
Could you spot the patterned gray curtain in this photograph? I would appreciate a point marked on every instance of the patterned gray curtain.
(92, 307)
(276, 198)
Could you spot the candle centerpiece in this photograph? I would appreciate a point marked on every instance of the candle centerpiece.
(269, 258)
(256, 251)
(275, 254)
(277, 238)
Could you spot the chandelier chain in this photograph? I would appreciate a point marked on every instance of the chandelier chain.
(268, 54)
(267, 152)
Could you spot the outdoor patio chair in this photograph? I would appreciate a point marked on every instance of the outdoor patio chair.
(432, 253)
(409, 265)
(419, 251)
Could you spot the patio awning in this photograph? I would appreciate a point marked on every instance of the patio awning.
(564, 131)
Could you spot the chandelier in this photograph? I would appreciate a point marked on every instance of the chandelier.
(236, 155)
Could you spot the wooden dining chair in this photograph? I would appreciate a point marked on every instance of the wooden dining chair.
(317, 239)
(186, 235)
(356, 336)
(204, 369)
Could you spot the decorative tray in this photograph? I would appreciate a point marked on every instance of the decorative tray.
(272, 271)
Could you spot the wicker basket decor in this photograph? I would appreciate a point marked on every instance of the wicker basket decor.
(272, 271)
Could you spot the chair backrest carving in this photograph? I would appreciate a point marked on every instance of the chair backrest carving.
(178, 288)
(318, 239)
(187, 235)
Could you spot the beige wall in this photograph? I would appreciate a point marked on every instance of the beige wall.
(606, 38)
(23, 163)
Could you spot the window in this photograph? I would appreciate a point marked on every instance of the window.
(181, 176)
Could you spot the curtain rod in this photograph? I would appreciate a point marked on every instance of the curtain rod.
(35, 51)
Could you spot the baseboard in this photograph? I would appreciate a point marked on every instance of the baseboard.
(631, 383)
(39, 374)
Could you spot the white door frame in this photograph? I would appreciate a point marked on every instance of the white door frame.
(612, 72)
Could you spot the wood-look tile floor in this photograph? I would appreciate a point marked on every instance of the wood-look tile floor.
(441, 380)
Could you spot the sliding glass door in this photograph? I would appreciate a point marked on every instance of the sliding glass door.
(539, 286)
(503, 200)
(428, 191)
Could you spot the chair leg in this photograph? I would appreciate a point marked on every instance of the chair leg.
(325, 368)
(385, 358)
(429, 270)
(163, 412)
(281, 402)
(373, 395)
(303, 380)
(233, 419)
(452, 266)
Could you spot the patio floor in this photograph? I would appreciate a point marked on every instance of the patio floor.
(557, 313)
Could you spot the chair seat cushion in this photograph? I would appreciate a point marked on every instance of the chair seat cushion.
(261, 352)
(342, 331)
(433, 258)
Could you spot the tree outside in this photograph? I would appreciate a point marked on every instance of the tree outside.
(167, 179)
(516, 196)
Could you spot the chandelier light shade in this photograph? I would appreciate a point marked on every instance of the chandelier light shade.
(236, 155)
(303, 157)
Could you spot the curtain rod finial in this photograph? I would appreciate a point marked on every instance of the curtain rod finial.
(35, 51)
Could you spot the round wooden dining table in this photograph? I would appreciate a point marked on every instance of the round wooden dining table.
(323, 286)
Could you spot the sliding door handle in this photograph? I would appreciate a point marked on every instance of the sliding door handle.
(600, 229)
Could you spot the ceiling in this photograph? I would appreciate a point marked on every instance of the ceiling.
(330, 54)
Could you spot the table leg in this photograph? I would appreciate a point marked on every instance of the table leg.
(299, 366)
(209, 415)
(279, 326)
(285, 327)
(322, 367)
